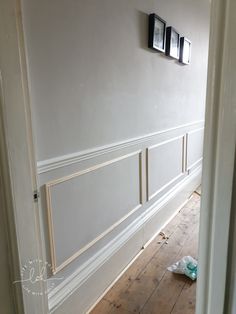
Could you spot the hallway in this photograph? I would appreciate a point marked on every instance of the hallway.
(147, 286)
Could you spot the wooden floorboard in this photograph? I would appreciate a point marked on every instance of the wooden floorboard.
(147, 286)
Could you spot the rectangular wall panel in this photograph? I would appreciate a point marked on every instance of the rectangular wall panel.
(96, 199)
(85, 206)
(194, 147)
(165, 164)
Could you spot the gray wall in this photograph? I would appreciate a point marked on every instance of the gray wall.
(89, 64)
(118, 127)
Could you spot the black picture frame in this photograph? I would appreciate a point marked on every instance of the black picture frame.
(157, 33)
(185, 50)
(172, 42)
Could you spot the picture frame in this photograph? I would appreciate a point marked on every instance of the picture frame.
(172, 42)
(185, 50)
(157, 33)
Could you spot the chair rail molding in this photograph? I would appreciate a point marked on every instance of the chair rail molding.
(69, 159)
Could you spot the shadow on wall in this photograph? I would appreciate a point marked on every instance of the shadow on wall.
(143, 30)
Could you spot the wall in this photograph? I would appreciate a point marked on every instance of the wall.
(118, 131)
(89, 63)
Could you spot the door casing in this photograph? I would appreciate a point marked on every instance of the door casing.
(19, 172)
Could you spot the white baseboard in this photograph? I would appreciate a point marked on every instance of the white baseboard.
(80, 291)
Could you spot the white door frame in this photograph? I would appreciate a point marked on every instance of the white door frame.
(17, 160)
(218, 165)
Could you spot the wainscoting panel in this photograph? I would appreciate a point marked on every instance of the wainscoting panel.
(100, 206)
(194, 148)
(83, 288)
(84, 207)
(165, 165)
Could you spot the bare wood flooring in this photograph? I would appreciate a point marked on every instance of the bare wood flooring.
(147, 287)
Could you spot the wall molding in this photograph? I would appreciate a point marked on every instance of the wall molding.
(66, 288)
(56, 268)
(195, 164)
(165, 186)
(195, 130)
(183, 137)
(198, 161)
(69, 159)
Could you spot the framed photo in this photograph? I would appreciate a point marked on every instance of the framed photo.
(172, 42)
(157, 33)
(185, 50)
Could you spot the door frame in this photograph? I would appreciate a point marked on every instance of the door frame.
(18, 163)
(218, 161)
(18, 166)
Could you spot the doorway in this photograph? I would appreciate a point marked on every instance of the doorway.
(17, 129)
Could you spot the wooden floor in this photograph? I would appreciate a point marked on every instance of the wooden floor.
(147, 287)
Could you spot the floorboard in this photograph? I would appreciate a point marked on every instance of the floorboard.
(147, 287)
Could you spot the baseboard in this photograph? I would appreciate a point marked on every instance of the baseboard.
(79, 292)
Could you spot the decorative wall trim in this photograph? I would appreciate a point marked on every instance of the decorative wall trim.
(69, 159)
(56, 268)
(195, 130)
(165, 186)
(189, 167)
(66, 288)
(195, 164)
(184, 170)
(149, 197)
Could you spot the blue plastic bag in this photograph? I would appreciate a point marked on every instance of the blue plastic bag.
(187, 266)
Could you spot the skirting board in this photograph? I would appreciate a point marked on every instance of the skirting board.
(79, 292)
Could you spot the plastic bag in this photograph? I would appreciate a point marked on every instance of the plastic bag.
(187, 266)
